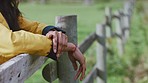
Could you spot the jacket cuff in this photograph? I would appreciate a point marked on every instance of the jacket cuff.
(51, 28)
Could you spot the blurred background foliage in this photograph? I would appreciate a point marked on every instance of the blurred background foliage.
(132, 67)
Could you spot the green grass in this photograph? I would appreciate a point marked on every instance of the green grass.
(88, 17)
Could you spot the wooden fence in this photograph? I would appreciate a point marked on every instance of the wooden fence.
(104, 31)
(18, 69)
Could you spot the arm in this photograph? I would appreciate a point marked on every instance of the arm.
(14, 43)
(56, 34)
(76, 56)
(36, 27)
(31, 26)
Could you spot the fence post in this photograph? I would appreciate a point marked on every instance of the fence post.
(108, 26)
(126, 24)
(101, 53)
(108, 15)
(119, 33)
(66, 72)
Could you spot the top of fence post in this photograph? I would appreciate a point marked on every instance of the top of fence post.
(66, 72)
(108, 15)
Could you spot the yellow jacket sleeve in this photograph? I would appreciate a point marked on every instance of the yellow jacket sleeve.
(31, 26)
(14, 43)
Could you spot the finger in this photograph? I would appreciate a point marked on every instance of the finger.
(73, 61)
(75, 65)
(55, 39)
(49, 34)
(83, 72)
(60, 43)
(78, 73)
(65, 40)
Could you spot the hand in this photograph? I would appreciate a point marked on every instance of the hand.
(59, 40)
(78, 56)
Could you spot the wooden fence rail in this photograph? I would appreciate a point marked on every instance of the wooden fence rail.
(18, 69)
(87, 42)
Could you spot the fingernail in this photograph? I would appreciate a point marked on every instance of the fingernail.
(55, 50)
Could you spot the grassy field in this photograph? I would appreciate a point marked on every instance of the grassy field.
(88, 16)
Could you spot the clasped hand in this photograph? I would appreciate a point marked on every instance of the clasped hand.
(61, 44)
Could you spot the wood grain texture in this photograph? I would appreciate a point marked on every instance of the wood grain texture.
(101, 53)
(66, 71)
(18, 69)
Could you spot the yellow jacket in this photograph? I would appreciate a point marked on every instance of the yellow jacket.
(27, 40)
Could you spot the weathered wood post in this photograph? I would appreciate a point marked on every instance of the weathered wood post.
(119, 33)
(66, 71)
(126, 24)
(108, 21)
(128, 9)
(108, 26)
(127, 12)
(123, 25)
(101, 53)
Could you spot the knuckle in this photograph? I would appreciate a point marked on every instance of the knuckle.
(60, 32)
(55, 32)
(66, 37)
(50, 32)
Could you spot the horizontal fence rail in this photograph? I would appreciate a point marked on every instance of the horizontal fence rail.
(87, 42)
(18, 69)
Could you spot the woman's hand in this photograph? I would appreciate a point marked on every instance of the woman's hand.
(76, 56)
(59, 40)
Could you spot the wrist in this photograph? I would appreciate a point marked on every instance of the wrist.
(71, 47)
(74, 47)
